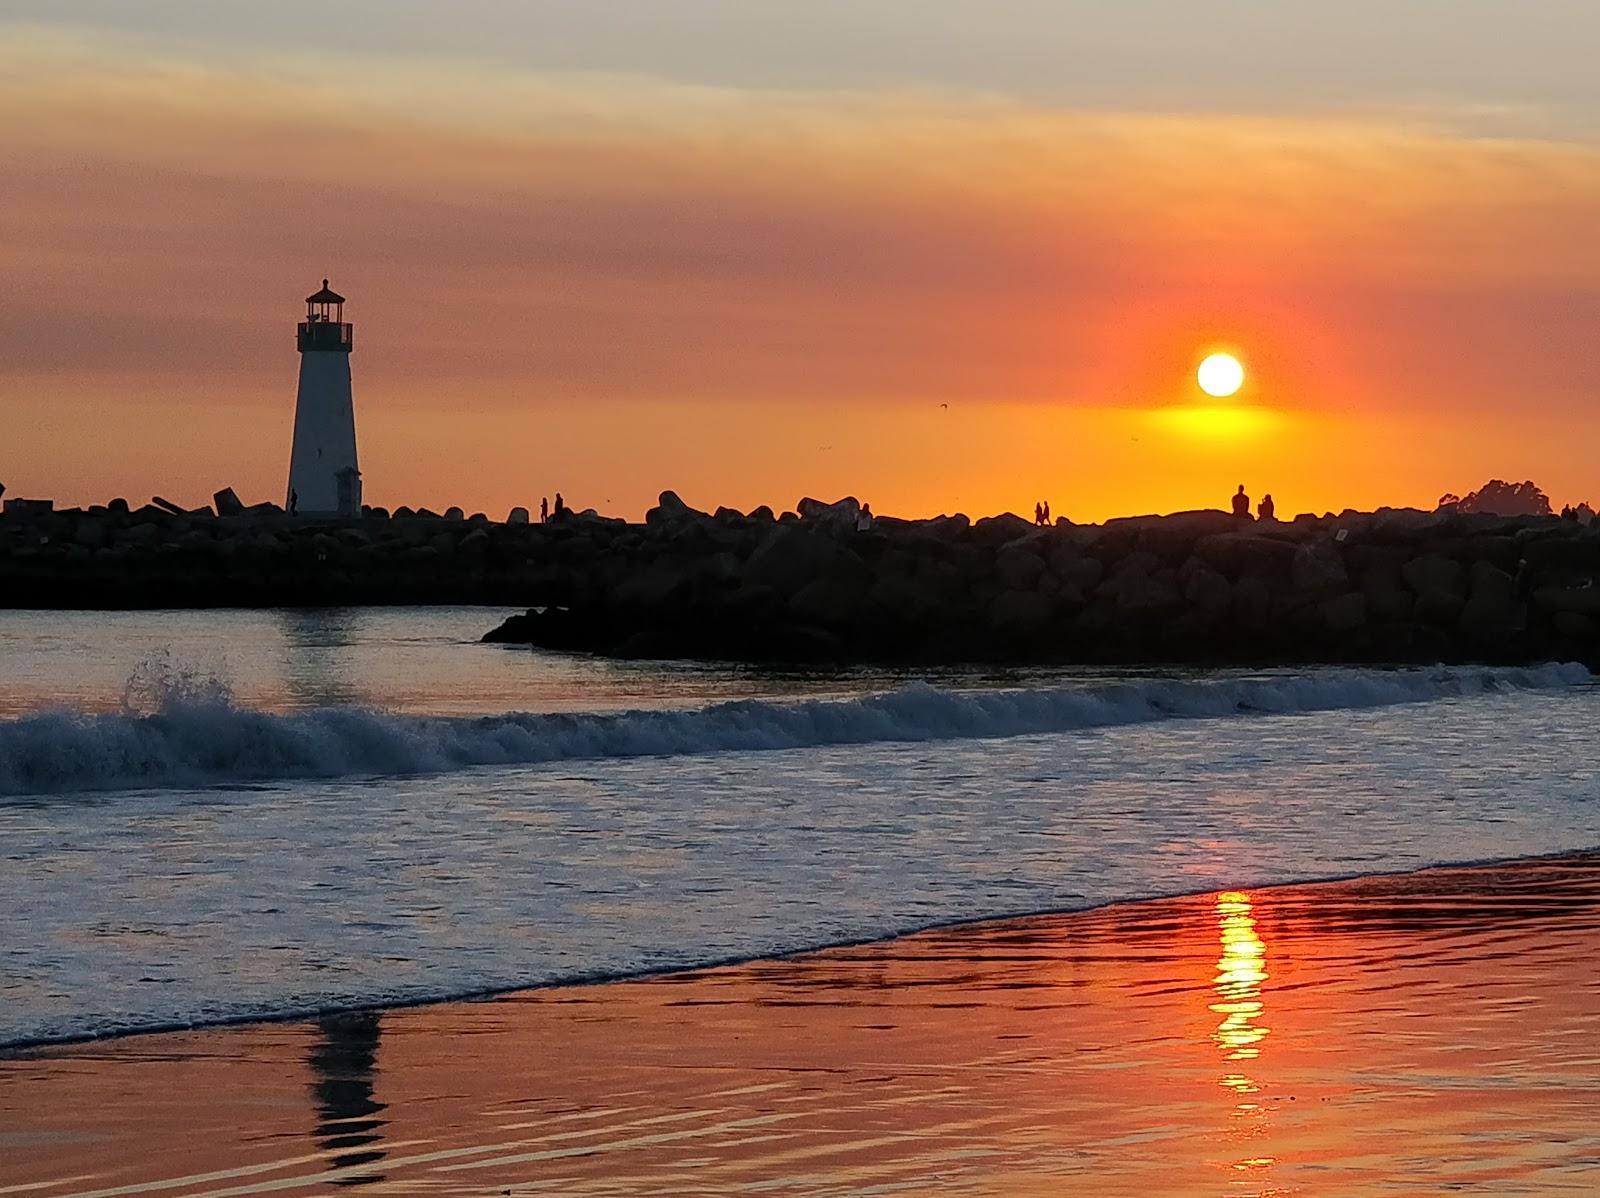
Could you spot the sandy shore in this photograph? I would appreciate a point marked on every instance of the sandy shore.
(1412, 1035)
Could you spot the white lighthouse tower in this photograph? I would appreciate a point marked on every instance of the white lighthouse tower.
(324, 479)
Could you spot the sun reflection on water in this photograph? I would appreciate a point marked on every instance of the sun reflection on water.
(1241, 970)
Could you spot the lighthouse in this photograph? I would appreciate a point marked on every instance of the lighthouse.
(324, 479)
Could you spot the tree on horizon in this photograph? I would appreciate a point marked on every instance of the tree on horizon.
(1499, 498)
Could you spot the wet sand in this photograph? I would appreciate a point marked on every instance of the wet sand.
(1431, 1033)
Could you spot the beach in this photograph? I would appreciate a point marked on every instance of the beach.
(1408, 1034)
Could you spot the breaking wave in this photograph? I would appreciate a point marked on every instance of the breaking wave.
(193, 738)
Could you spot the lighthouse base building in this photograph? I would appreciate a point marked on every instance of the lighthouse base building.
(324, 477)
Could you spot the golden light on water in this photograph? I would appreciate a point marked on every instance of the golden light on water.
(1240, 972)
(1220, 375)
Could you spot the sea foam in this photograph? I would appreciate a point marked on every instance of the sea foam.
(193, 741)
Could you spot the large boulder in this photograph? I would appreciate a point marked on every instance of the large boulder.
(1317, 569)
(948, 526)
(227, 503)
(1079, 572)
(791, 556)
(1019, 615)
(1343, 613)
(1439, 607)
(840, 516)
(656, 585)
(91, 533)
(1434, 572)
(1142, 593)
(1205, 590)
(672, 512)
(1171, 538)
(1580, 600)
(1002, 528)
(1252, 602)
(1237, 554)
(1388, 602)
(832, 599)
(1390, 524)
(1493, 609)
(1018, 568)
(1575, 626)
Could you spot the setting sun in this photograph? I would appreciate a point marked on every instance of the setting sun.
(1221, 375)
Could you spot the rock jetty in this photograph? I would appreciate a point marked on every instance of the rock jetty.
(814, 585)
(1203, 587)
(160, 555)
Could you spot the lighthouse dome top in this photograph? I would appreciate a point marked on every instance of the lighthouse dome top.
(325, 296)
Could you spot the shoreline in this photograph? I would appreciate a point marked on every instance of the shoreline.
(1343, 1036)
(27, 1048)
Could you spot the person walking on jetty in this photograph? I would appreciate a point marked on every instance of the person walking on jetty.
(1047, 513)
(1266, 509)
(1241, 503)
(864, 518)
(544, 509)
(561, 506)
(1038, 515)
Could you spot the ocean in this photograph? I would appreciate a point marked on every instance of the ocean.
(209, 817)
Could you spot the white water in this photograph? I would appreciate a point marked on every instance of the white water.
(204, 739)
(342, 833)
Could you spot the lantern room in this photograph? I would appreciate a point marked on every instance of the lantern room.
(324, 327)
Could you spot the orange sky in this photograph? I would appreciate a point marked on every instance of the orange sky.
(610, 285)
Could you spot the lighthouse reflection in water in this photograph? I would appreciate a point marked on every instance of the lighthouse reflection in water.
(1241, 970)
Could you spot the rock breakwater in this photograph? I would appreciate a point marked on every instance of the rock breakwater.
(1202, 587)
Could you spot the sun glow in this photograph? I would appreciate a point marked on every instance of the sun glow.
(1220, 375)
(1215, 422)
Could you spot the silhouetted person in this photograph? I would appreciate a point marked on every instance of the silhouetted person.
(294, 502)
(544, 510)
(864, 518)
(1038, 514)
(561, 506)
(1266, 509)
(1241, 503)
(343, 1065)
(1047, 512)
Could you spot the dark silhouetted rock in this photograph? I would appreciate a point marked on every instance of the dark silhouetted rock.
(227, 503)
(1019, 615)
(1018, 568)
(1433, 573)
(1317, 569)
(1344, 613)
(1205, 590)
(840, 516)
(670, 511)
